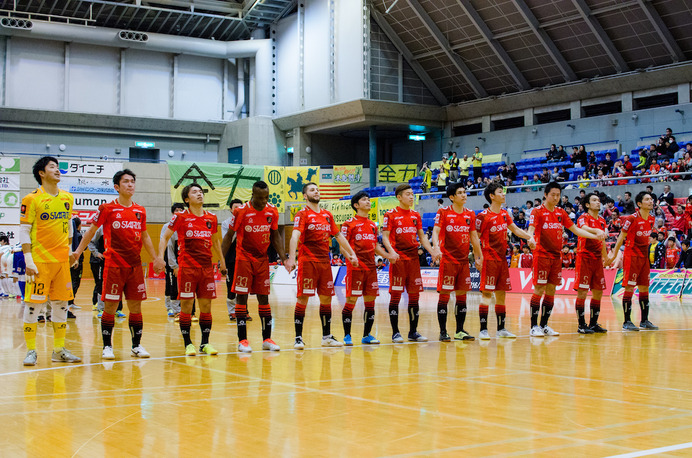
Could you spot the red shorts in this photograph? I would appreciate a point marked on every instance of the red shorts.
(314, 277)
(453, 277)
(589, 273)
(405, 274)
(251, 277)
(197, 282)
(635, 271)
(495, 276)
(129, 280)
(360, 282)
(547, 271)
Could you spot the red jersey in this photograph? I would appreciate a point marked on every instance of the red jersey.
(638, 230)
(590, 247)
(492, 230)
(122, 232)
(315, 231)
(455, 233)
(526, 261)
(403, 226)
(194, 237)
(361, 234)
(567, 259)
(253, 229)
(672, 257)
(548, 230)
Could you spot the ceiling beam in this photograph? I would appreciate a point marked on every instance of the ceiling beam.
(497, 48)
(601, 35)
(545, 40)
(662, 30)
(436, 33)
(408, 56)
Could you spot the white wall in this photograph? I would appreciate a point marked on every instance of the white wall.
(287, 66)
(198, 88)
(349, 50)
(316, 54)
(35, 74)
(93, 79)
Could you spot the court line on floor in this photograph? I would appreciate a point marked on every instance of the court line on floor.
(654, 451)
(104, 429)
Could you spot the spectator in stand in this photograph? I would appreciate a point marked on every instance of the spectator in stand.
(512, 171)
(469, 185)
(672, 146)
(567, 258)
(607, 209)
(654, 169)
(426, 173)
(562, 154)
(627, 204)
(580, 156)
(440, 203)
(524, 181)
(667, 196)
(545, 176)
(592, 160)
(563, 175)
(668, 134)
(464, 165)
(665, 170)
(608, 161)
(526, 258)
(675, 168)
(672, 253)
(615, 224)
(477, 163)
(685, 261)
(584, 180)
(554, 174)
(679, 224)
(514, 262)
(454, 168)
(661, 149)
(480, 184)
(629, 168)
(552, 155)
(445, 166)
(645, 157)
(535, 180)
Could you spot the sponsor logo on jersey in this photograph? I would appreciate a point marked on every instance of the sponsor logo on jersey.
(406, 230)
(141, 288)
(54, 215)
(451, 228)
(552, 226)
(211, 287)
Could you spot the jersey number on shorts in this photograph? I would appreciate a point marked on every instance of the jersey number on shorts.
(38, 288)
(241, 282)
(449, 280)
(307, 283)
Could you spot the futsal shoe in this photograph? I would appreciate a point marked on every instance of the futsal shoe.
(397, 338)
(248, 318)
(63, 355)
(107, 353)
(207, 349)
(330, 341)
(584, 329)
(299, 344)
(369, 340)
(348, 340)
(41, 319)
(120, 314)
(244, 346)
(548, 331)
(537, 331)
(463, 335)
(416, 337)
(30, 359)
(190, 350)
(140, 352)
(171, 313)
(629, 326)
(194, 318)
(444, 337)
(231, 318)
(70, 314)
(270, 345)
(646, 324)
(484, 335)
(503, 333)
(598, 329)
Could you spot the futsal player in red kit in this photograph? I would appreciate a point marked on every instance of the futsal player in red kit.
(492, 225)
(313, 227)
(589, 273)
(124, 233)
(256, 224)
(402, 228)
(636, 229)
(198, 235)
(453, 235)
(546, 225)
(361, 280)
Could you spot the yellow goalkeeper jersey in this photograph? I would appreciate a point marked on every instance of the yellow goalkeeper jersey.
(49, 217)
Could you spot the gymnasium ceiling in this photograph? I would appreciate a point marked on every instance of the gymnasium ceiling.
(471, 49)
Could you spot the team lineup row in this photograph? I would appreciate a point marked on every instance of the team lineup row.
(45, 235)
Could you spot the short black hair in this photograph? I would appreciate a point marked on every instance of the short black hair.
(453, 187)
(686, 242)
(260, 185)
(552, 185)
(4, 238)
(356, 198)
(119, 175)
(641, 195)
(176, 206)
(627, 192)
(440, 201)
(305, 186)
(77, 222)
(235, 201)
(671, 239)
(186, 191)
(529, 202)
(490, 189)
(40, 166)
(587, 198)
(401, 188)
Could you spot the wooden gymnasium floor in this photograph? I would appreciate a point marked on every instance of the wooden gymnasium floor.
(572, 395)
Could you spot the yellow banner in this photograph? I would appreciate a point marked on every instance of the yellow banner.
(296, 177)
(341, 209)
(397, 173)
(348, 173)
(274, 177)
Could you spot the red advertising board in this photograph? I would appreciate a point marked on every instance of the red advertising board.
(522, 281)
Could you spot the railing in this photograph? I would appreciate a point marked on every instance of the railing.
(546, 149)
(637, 178)
(676, 134)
